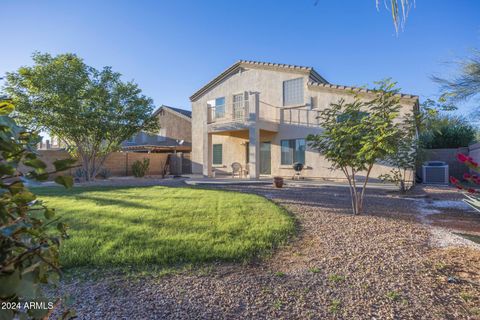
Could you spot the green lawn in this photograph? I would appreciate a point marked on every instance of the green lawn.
(164, 226)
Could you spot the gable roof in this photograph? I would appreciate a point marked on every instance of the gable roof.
(313, 75)
(186, 114)
(315, 79)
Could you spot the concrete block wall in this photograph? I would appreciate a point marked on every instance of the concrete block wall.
(118, 163)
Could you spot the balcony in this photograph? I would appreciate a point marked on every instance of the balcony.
(242, 114)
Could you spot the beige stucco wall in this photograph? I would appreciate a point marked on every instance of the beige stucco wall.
(118, 163)
(176, 126)
(269, 85)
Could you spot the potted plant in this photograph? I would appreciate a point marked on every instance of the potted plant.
(278, 182)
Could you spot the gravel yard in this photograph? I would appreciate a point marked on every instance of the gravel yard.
(382, 265)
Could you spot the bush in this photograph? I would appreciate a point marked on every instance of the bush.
(104, 173)
(140, 168)
(443, 131)
(29, 249)
(79, 174)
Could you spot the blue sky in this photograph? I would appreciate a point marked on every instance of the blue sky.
(172, 48)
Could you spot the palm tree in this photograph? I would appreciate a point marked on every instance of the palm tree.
(399, 10)
(466, 84)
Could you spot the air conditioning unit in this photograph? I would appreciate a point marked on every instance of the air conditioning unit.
(435, 172)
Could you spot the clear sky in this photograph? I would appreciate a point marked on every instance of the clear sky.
(172, 48)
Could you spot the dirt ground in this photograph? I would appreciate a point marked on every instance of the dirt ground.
(381, 265)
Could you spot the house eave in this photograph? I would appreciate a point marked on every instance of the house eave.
(244, 64)
(316, 85)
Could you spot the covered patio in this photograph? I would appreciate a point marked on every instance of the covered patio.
(240, 153)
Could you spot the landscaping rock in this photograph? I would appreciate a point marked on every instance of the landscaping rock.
(381, 265)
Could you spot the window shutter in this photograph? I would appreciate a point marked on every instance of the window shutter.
(217, 154)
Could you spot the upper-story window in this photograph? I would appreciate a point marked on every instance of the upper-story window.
(293, 92)
(238, 106)
(218, 107)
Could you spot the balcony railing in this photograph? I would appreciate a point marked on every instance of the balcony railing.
(303, 117)
(242, 111)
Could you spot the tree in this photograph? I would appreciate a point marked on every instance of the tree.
(358, 134)
(404, 159)
(466, 84)
(92, 111)
(29, 246)
(449, 132)
(399, 10)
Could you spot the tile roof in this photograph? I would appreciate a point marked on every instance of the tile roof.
(357, 89)
(187, 113)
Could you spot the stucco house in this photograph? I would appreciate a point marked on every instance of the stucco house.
(175, 133)
(258, 115)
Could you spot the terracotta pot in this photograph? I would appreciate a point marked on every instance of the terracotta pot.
(278, 182)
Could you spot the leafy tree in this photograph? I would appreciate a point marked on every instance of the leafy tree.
(449, 132)
(438, 129)
(358, 134)
(92, 111)
(28, 247)
(404, 159)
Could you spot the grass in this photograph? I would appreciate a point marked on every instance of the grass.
(314, 270)
(335, 306)
(336, 278)
(393, 295)
(161, 226)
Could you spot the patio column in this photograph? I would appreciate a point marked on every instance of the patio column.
(254, 107)
(207, 154)
(254, 152)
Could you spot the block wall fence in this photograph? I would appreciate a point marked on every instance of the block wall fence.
(118, 163)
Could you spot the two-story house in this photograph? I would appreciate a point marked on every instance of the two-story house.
(175, 133)
(258, 114)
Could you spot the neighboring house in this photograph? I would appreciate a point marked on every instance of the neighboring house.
(175, 133)
(258, 114)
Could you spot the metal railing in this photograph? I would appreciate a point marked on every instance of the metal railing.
(240, 111)
(296, 116)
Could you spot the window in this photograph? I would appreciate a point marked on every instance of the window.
(292, 150)
(217, 154)
(293, 92)
(217, 107)
(238, 107)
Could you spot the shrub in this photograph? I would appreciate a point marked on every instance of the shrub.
(104, 173)
(472, 195)
(404, 160)
(447, 132)
(79, 174)
(28, 248)
(140, 168)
